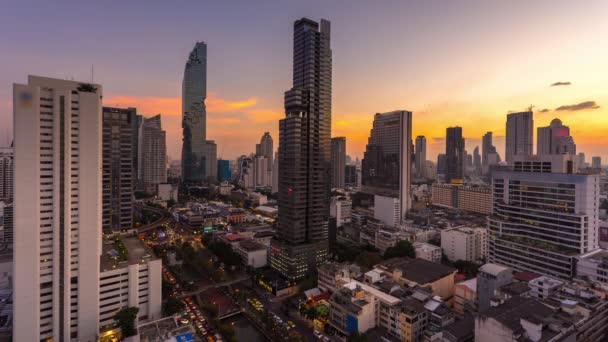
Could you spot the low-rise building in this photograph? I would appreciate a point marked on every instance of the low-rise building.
(332, 276)
(427, 251)
(252, 253)
(490, 277)
(457, 196)
(130, 276)
(341, 208)
(465, 243)
(465, 295)
(543, 287)
(168, 192)
(593, 265)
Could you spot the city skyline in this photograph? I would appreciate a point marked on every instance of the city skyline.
(476, 90)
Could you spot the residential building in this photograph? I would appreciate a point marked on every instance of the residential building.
(353, 310)
(252, 253)
(474, 199)
(332, 276)
(6, 173)
(118, 175)
(338, 162)
(350, 176)
(487, 148)
(519, 139)
(541, 221)
(593, 266)
(152, 154)
(305, 155)
(490, 278)
(386, 237)
(476, 161)
(554, 139)
(543, 287)
(465, 296)
(455, 155)
(427, 251)
(194, 116)
(340, 208)
(168, 192)
(265, 149)
(465, 243)
(263, 178)
(596, 162)
(210, 161)
(7, 231)
(386, 167)
(387, 210)
(223, 170)
(420, 159)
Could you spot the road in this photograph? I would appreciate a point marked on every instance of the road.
(222, 284)
(165, 218)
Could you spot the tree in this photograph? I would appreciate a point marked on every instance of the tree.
(172, 306)
(125, 319)
(368, 259)
(227, 331)
(308, 283)
(322, 311)
(356, 337)
(403, 248)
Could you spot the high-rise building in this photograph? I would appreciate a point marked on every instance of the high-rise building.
(541, 221)
(582, 163)
(6, 173)
(135, 146)
(454, 152)
(596, 162)
(441, 163)
(338, 162)
(194, 116)
(305, 155)
(489, 156)
(420, 162)
(386, 167)
(266, 149)
(554, 139)
(520, 134)
(246, 173)
(260, 170)
(350, 175)
(223, 170)
(118, 176)
(152, 154)
(57, 218)
(275, 173)
(210, 161)
(476, 161)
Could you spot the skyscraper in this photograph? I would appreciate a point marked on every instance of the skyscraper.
(454, 155)
(441, 163)
(350, 176)
(596, 162)
(476, 161)
(6, 173)
(223, 170)
(210, 161)
(554, 139)
(338, 162)
(541, 221)
(520, 131)
(194, 116)
(152, 154)
(118, 176)
(386, 167)
(266, 149)
(305, 155)
(420, 156)
(57, 203)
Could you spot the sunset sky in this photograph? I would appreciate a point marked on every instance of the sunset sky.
(465, 63)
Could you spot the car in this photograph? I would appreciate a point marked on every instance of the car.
(317, 333)
(199, 324)
(291, 324)
(326, 339)
(184, 321)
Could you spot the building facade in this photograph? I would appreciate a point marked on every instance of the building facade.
(541, 221)
(420, 158)
(338, 162)
(6, 173)
(554, 139)
(118, 174)
(305, 155)
(194, 116)
(387, 162)
(465, 243)
(223, 170)
(454, 155)
(266, 149)
(152, 154)
(463, 197)
(520, 132)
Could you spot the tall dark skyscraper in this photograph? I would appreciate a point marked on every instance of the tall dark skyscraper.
(476, 161)
(454, 154)
(118, 175)
(420, 159)
(223, 170)
(194, 116)
(305, 155)
(338, 161)
(387, 161)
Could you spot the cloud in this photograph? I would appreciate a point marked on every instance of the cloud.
(173, 105)
(544, 110)
(224, 120)
(556, 84)
(579, 106)
(265, 115)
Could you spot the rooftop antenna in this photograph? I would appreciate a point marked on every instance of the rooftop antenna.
(530, 108)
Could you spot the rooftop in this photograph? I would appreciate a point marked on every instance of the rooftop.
(492, 269)
(461, 328)
(419, 271)
(525, 276)
(471, 284)
(377, 293)
(515, 288)
(251, 246)
(124, 251)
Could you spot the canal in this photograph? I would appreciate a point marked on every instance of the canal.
(244, 330)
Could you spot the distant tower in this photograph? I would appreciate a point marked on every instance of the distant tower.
(338, 162)
(454, 152)
(519, 139)
(420, 156)
(554, 139)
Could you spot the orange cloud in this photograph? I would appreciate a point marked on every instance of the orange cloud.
(224, 120)
(265, 115)
(219, 105)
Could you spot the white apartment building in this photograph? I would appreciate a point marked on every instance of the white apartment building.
(58, 140)
(387, 210)
(263, 177)
(465, 243)
(428, 252)
(341, 208)
(58, 271)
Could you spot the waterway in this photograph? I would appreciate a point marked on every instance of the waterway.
(244, 330)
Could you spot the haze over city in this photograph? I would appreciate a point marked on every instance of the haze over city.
(465, 63)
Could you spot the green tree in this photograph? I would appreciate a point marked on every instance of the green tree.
(125, 319)
(322, 311)
(172, 306)
(356, 337)
(227, 331)
(403, 248)
(368, 259)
